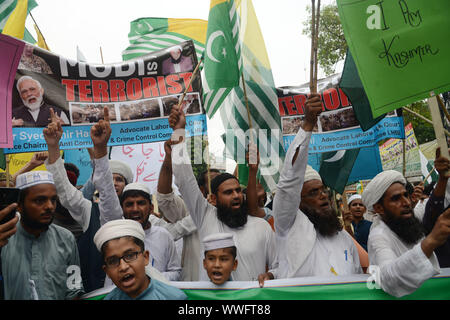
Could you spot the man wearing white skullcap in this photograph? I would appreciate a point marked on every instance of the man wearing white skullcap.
(137, 205)
(89, 214)
(126, 262)
(403, 257)
(310, 239)
(361, 227)
(36, 259)
(220, 257)
(122, 175)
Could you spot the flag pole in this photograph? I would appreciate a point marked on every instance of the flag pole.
(101, 54)
(250, 126)
(428, 175)
(437, 125)
(316, 44)
(441, 104)
(35, 23)
(7, 169)
(424, 119)
(194, 74)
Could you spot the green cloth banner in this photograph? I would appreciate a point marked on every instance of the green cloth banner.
(400, 48)
(312, 288)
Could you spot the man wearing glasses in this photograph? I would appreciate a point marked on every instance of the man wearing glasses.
(310, 239)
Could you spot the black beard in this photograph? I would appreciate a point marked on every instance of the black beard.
(409, 230)
(34, 225)
(232, 218)
(325, 221)
(175, 61)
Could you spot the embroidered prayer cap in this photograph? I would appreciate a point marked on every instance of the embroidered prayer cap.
(117, 229)
(121, 168)
(218, 241)
(311, 174)
(32, 178)
(218, 180)
(353, 197)
(376, 188)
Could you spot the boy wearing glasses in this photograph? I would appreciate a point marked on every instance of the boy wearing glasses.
(121, 243)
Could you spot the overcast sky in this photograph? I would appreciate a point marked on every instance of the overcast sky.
(91, 24)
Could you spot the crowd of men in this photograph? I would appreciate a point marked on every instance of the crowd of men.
(213, 230)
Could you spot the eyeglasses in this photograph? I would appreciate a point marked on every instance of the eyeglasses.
(113, 262)
(317, 192)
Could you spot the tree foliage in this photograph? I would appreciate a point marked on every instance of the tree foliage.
(331, 42)
(423, 130)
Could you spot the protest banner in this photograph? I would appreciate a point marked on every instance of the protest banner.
(139, 94)
(391, 153)
(337, 127)
(399, 48)
(10, 54)
(350, 287)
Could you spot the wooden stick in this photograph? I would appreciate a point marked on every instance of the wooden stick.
(313, 35)
(29, 12)
(404, 157)
(429, 174)
(194, 74)
(438, 127)
(250, 126)
(7, 169)
(101, 54)
(207, 166)
(423, 118)
(316, 45)
(441, 104)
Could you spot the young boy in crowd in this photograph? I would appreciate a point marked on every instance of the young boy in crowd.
(121, 243)
(220, 257)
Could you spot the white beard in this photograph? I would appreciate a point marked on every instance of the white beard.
(35, 105)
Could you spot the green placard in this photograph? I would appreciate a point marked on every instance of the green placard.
(401, 48)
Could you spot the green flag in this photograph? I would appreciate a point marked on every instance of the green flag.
(351, 84)
(152, 34)
(222, 55)
(7, 7)
(235, 52)
(335, 168)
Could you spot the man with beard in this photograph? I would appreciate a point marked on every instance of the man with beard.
(254, 239)
(310, 239)
(89, 215)
(39, 258)
(34, 112)
(396, 245)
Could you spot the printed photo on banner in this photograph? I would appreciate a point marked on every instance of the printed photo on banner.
(337, 127)
(138, 93)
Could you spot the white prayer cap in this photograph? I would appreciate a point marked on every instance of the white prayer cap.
(218, 241)
(378, 186)
(311, 174)
(137, 186)
(116, 229)
(353, 197)
(32, 178)
(121, 168)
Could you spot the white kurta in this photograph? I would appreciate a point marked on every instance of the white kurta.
(163, 252)
(402, 267)
(175, 210)
(255, 241)
(301, 250)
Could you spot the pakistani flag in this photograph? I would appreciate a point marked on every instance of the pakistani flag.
(352, 86)
(426, 167)
(153, 34)
(238, 82)
(335, 168)
(7, 7)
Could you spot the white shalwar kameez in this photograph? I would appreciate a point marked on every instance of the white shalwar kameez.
(301, 250)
